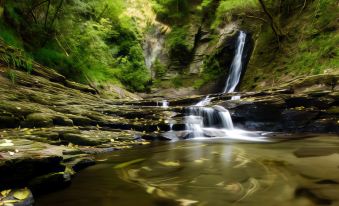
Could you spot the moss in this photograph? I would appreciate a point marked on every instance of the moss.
(308, 48)
(333, 110)
(211, 71)
(180, 49)
(159, 69)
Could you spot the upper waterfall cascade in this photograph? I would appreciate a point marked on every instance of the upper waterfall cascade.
(216, 121)
(237, 65)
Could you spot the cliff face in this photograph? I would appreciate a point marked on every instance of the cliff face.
(175, 48)
(290, 39)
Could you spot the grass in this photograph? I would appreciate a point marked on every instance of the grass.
(309, 48)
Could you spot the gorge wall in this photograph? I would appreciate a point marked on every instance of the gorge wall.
(169, 48)
(288, 40)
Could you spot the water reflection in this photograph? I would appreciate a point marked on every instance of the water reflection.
(301, 172)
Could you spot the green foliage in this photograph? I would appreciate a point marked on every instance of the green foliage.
(159, 69)
(227, 7)
(178, 45)
(82, 39)
(177, 81)
(211, 71)
(173, 11)
(309, 48)
(11, 75)
(9, 35)
(16, 59)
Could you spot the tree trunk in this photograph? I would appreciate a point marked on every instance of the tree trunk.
(274, 26)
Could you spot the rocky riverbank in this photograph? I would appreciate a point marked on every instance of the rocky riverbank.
(51, 128)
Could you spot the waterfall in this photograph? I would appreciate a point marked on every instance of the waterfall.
(153, 46)
(237, 65)
(204, 102)
(216, 122)
(203, 120)
(164, 104)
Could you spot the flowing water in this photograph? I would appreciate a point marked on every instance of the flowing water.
(220, 164)
(303, 172)
(237, 65)
(197, 118)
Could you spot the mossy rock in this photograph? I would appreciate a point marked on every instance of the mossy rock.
(50, 182)
(83, 139)
(38, 120)
(333, 110)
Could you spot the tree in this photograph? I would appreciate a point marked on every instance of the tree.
(274, 25)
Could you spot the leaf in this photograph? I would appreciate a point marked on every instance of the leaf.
(125, 164)
(150, 189)
(146, 168)
(186, 202)
(6, 144)
(21, 194)
(4, 193)
(10, 201)
(169, 164)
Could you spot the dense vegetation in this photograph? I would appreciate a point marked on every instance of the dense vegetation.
(85, 40)
(95, 41)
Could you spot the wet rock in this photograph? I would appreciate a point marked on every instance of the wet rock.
(325, 125)
(50, 182)
(262, 110)
(297, 118)
(309, 101)
(23, 160)
(79, 162)
(83, 139)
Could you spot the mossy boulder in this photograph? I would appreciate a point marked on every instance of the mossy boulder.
(83, 139)
(38, 120)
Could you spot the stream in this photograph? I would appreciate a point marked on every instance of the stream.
(211, 162)
(210, 172)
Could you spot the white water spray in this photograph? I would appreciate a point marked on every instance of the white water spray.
(237, 65)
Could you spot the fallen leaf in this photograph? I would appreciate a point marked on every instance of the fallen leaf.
(150, 189)
(6, 144)
(4, 193)
(125, 164)
(146, 168)
(186, 202)
(21, 194)
(169, 164)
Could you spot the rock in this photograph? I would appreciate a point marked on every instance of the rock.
(24, 159)
(80, 161)
(81, 87)
(9, 121)
(38, 120)
(83, 139)
(297, 118)
(259, 109)
(50, 182)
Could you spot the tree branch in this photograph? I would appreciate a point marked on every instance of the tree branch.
(274, 27)
(46, 15)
